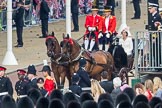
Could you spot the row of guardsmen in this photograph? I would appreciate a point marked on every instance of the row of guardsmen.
(27, 82)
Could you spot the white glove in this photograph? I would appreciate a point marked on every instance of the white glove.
(90, 29)
(93, 28)
(100, 35)
(108, 35)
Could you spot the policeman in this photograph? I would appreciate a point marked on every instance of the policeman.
(155, 39)
(21, 86)
(91, 25)
(83, 74)
(5, 84)
(32, 76)
(107, 28)
(19, 23)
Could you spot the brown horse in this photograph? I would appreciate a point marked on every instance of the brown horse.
(96, 61)
(54, 52)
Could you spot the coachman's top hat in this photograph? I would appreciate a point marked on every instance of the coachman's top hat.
(107, 8)
(31, 70)
(94, 8)
(2, 68)
(21, 72)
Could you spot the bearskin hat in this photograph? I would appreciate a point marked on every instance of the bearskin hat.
(8, 102)
(142, 105)
(34, 95)
(25, 102)
(125, 104)
(122, 97)
(73, 104)
(42, 103)
(85, 96)
(140, 98)
(56, 94)
(130, 92)
(105, 104)
(57, 103)
(89, 104)
(106, 96)
(69, 96)
(154, 101)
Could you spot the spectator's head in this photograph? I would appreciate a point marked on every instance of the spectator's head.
(157, 84)
(42, 103)
(89, 104)
(117, 82)
(105, 96)
(124, 104)
(105, 104)
(154, 101)
(85, 96)
(130, 92)
(56, 103)
(34, 95)
(159, 105)
(69, 96)
(104, 75)
(139, 88)
(74, 104)
(96, 88)
(25, 102)
(8, 102)
(140, 98)
(122, 97)
(142, 105)
(149, 85)
(56, 94)
(124, 33)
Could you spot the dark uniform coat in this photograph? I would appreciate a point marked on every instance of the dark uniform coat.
(33, 84)
(84, 78)
(19, 24)
(22, 87)
(75, 89)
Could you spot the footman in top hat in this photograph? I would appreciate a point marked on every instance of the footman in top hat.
(5, 84)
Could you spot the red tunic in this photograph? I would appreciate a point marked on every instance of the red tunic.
(49, 85)
(92, 21)
(111, 25)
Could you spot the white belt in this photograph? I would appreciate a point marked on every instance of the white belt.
(3, 93)
(21, 96)
(86, 88)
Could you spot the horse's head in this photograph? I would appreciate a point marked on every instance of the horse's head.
(51, 44)
(67, 45)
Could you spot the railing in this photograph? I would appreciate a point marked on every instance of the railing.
(148, 51)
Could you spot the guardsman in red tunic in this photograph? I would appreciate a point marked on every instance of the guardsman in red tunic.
(91, 25)
(49, 84)
(107, 28)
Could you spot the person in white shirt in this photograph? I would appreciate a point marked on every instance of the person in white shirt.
(127, 44)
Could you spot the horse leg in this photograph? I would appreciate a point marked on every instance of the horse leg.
(62, 79)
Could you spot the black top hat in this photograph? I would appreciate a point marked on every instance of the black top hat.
(75, 78)
(46, 68)
(82, 62)
(94, 8)
(107, 8)
(150, 5)
(31, 70)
